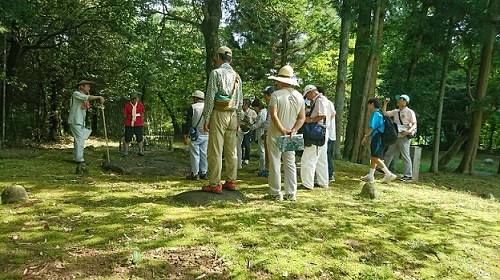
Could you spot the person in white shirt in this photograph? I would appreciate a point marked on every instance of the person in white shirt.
(332, 137)
(407, 124)
(259, 126)
(198, 147)
(314, 158)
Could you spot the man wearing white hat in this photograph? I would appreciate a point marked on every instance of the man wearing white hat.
(198, 146)
(287, 111)
(314, 158)
(76, 120)
(407, 124)
(222, 113)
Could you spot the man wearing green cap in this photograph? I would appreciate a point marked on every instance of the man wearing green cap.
(407, 124)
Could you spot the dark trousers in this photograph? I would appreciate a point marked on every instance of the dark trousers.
(245, 146)
(329, 152)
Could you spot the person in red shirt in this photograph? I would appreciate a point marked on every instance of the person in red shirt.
(134, 120)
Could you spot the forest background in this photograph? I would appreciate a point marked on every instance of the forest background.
(443, 54)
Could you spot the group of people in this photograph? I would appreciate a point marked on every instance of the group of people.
(218, 126)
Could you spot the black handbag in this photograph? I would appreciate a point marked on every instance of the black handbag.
(314, 133)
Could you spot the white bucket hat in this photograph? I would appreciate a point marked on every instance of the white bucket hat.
(285, 75)
(308, 88)
(198, 94)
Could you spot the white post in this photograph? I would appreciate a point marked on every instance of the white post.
(417, 154)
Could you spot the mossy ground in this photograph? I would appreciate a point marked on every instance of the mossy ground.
(443, 227)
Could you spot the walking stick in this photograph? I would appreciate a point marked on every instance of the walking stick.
(105, 132)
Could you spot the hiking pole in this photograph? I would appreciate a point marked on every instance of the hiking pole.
(105, 131)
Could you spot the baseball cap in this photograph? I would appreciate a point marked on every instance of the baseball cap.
(404, 96)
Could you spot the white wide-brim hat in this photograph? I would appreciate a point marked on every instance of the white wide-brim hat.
(285, 75)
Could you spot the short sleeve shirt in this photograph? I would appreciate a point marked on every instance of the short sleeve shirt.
(288, 103)
(377, 123)
(321, 108)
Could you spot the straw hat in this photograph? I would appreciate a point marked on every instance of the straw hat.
(285, 75)
(84, 82)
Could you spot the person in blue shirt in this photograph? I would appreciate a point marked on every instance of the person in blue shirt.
(375, 130)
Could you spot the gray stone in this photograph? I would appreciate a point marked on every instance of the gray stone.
(488, 161)
(369, 191)
(201, 198)
(14, 194)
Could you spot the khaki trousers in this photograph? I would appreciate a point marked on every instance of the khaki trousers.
(222, 137)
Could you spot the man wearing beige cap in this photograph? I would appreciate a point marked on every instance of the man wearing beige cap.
(199, 139)
(222, 113)
(287, 112)
(78, 111)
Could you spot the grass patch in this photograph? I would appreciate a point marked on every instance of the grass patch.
(443, 227)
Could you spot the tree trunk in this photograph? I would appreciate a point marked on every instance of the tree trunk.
(175, 124)
(452, 151)
(357, 106)
(415, 53)
(345, 28)
(470, 152)
(210, 28)
(372, 72)
(442, 90)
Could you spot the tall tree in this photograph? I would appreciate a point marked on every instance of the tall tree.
(490, 32)
(340, 87)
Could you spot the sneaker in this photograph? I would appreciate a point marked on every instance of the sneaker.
(263, 173)
(141, 154)
(367, 178)
(203, 176)
(193, 176)
(212, 189)
(406, 178)
(125, 155)
(389, 177)
(290, 197)
(302, 187)
(277, 197)
(245, 161)
(229, 185)
(331, 179)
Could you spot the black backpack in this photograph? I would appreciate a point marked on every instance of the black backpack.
(390, 134)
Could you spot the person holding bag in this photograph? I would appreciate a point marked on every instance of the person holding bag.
(193, 131)
(314, 158)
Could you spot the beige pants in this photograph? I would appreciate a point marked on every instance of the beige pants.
(222, 136)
